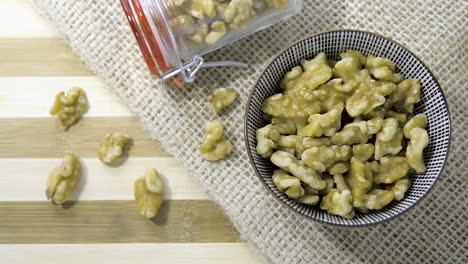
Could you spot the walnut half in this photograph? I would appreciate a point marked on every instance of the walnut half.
(111, 147)
(63, 179)
(214, 146)
(149, 193)
(69, 107)
(222, 98)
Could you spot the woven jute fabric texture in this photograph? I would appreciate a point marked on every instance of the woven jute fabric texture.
(435, 231)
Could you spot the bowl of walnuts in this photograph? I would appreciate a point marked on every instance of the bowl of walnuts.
(347, 128)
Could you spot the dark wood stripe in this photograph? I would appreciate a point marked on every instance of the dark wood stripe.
(43, 138)
(181, 221)
(39, 57)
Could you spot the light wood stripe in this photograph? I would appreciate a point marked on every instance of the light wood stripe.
(160, 253)
(39, 57)
(33, 96)
(183, 221)
(187, 230)
(18, 19)
(43, 138)
(24, 179)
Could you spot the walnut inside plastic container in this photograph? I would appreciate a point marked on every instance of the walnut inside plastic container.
(64, 179)
(69, 107)
(207, 22)
(345, 132)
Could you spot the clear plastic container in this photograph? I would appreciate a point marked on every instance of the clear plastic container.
(173, 35)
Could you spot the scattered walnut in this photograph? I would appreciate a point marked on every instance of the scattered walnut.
(63, 179)
(69, 107)
(111, 147)
(149, 193)
(222, 98)
(214, 146)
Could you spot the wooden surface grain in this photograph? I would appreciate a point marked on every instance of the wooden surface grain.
(44, 138)
(180, 221)
(44, 57)
(101, 225)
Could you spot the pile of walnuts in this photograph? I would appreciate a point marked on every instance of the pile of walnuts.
(344, 132)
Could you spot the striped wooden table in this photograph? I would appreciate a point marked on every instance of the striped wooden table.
(103, 226)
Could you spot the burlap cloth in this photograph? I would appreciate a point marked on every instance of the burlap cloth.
(435, 231)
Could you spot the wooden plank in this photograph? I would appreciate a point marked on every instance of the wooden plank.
(33, 96)
(173, 253)
(179, 221)
(24, 179)
(20, 20)
(39, 57)
(44, 138)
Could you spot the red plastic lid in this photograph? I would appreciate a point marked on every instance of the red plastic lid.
(156, 60)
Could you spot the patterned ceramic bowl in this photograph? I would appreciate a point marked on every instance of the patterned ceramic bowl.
(433, 104)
